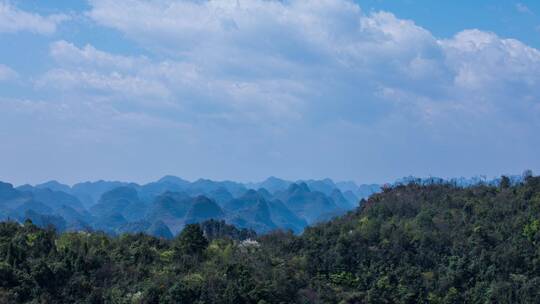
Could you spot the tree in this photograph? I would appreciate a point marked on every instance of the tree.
(191, 241)
(527, 174)
(505, 182)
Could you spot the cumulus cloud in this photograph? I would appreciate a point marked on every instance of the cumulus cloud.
(302, 80)
(14, 20)
(327, 56)
(112, 83)
(68, 54)
(6, 73)
(169, 82)
(483, 61)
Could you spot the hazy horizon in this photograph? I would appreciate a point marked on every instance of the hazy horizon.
(143, 182)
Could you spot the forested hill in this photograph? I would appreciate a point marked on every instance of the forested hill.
(409, 244)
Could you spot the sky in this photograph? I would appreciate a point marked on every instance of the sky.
(368, 91)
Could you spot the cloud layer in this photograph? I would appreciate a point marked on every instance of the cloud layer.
(13, 20)
(299, 58)
(293, 88)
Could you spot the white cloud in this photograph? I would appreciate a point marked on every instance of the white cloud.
(116, 84)
(68, 54)
(485, 62)
(286, 30)
(222, 83)
(263, 75)
(7, 73)
(309, 58)
(14, 20)
(168, 82)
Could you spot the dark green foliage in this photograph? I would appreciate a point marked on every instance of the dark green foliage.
(214, 229)
(505, 182)
(191, 241)
(410, 244)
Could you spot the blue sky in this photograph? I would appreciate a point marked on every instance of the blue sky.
(366, 91)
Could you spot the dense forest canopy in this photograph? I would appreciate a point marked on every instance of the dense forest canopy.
(435, 243)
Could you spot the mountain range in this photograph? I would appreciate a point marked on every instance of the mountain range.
(162, 208)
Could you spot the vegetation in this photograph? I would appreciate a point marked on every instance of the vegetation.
(411, 243)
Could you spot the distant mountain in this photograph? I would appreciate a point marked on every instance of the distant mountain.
(90, 192)
(359, 191)
(9, 194)
(170, 208)
(55, 199)
(264, 193)
(14, 204)
(351, 198)
(167, 183)
(271, 184)
(172, 202)
(220, 195)
(325, 186)
(159, 229)
(122, 200)
(43, 206)
(110, 223)
(202, 186)
(31, 205)
(340, 200)
(178, 209)
(75, 220)
(150, 191)
(174, 180)
(256, 210)
(249, 199)
(256, 216)
(55, 186)
(308, 204)
(345, 186)
(202, 209)
(284, 218)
